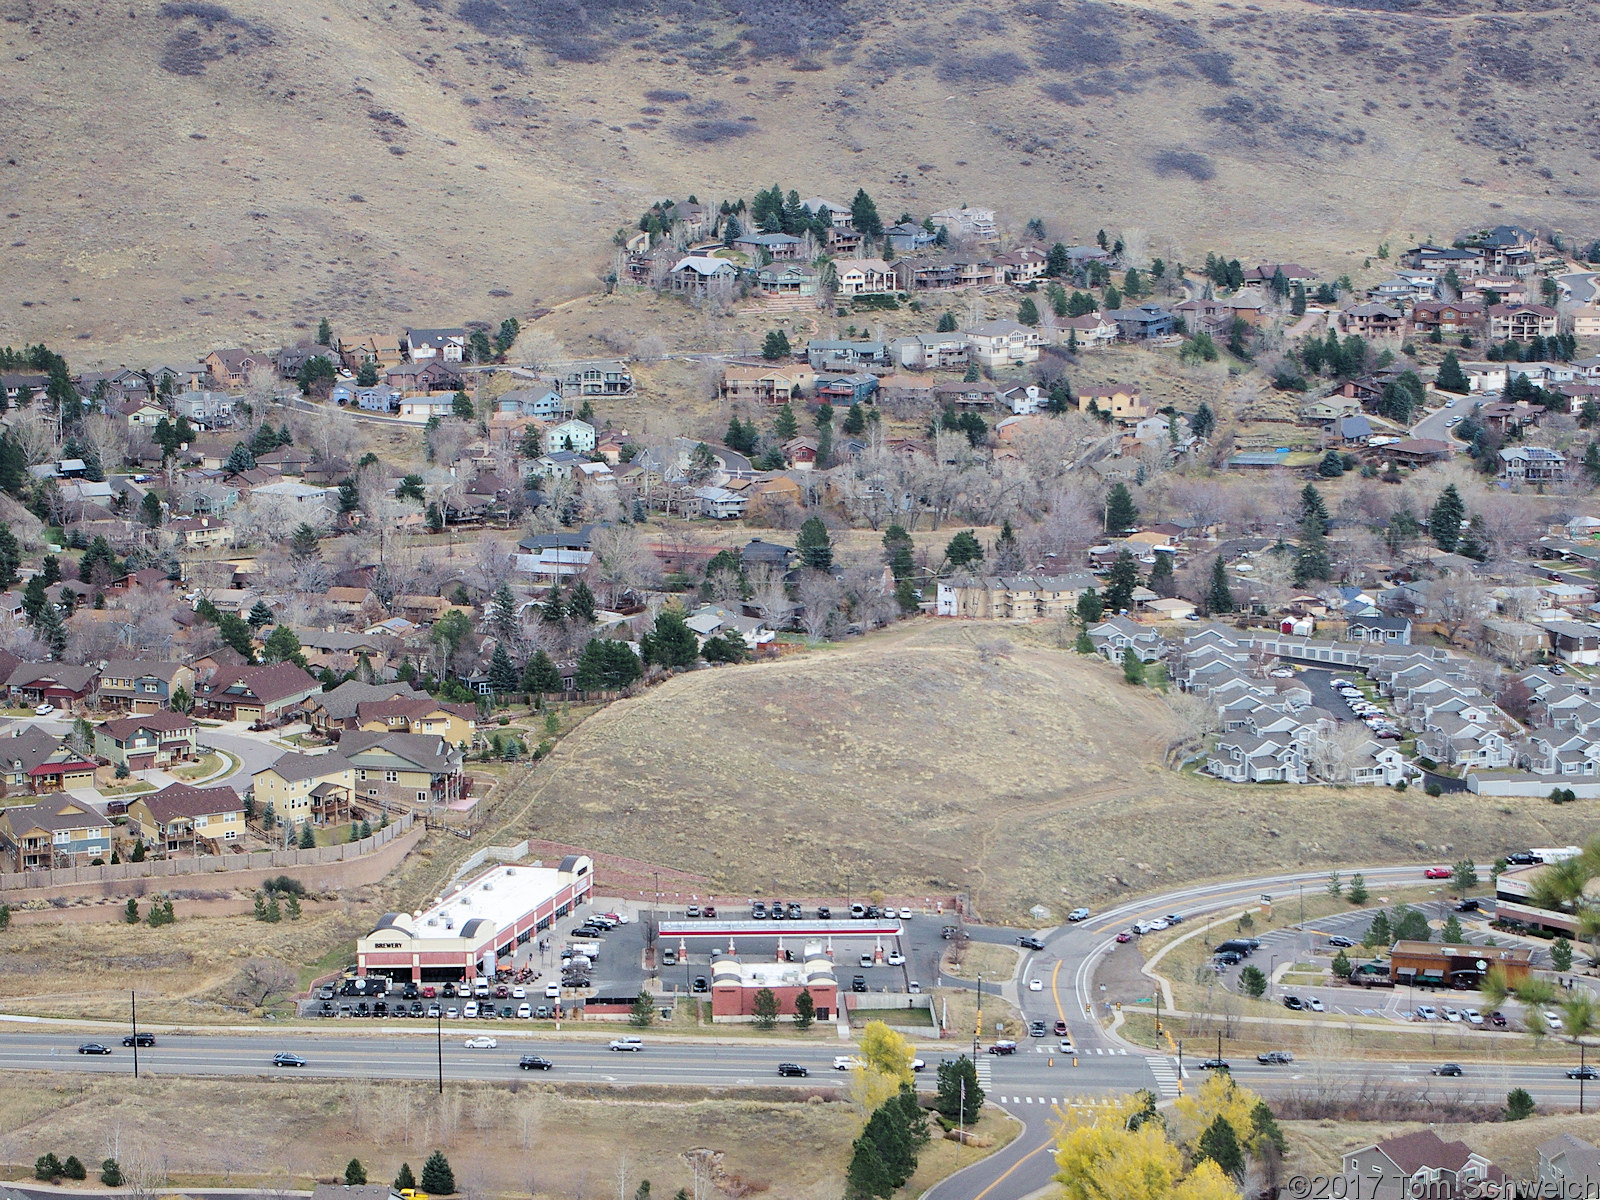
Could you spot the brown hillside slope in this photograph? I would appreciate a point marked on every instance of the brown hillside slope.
(183, 171)
(946, 757)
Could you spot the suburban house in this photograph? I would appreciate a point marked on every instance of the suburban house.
(1373, 320)
(209, 410)
(931, 351)
(156, 739)
(574, 435)
(1089, 330)
(698, 273)
(379, 397)
(1123, 404)
(1521, 322)
(59, 832)
(908, 237)
(974, 224)
(720, 504)
(1569, 1165)
(447, 344)
(788, 279)
(423, 378)
(1022, 265)
(1532, 464)
(61, 684)
(403, 769)
(999, 344)
(768, 385)
(1011, 597)
(1113, 636)
(600, 377)
(36, 761)
(201, 533)
(141, 687)
(1447, 316)
(716, 621)
(1244, 757)
(845, 356)
(1391, 631)
(306, 787)
(382, 349)
(777, 247)
(1417, 1164)
(865, 277)
(331, 712)
(180, 817)
(231, 368)
(266, 695)
(1143, 323)
(456, 723)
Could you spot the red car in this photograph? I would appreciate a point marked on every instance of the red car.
(1124, 936)
(1436, 873)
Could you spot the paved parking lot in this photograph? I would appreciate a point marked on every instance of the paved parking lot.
(1324, 694)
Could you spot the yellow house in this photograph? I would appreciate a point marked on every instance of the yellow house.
(306, 787)
(1121, 403)
(455, 723)
(180, 817)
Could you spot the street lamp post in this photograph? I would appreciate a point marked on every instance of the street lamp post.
(438, 1041)
(133, 999)
(977, 1028)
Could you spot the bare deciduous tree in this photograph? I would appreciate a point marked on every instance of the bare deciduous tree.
(260, 979)
(770, 596)
(820, 595)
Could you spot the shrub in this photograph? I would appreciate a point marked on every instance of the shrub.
(73, 1169)
(111, 1173)
(47, 1167)
(1433, 789)
(1184, 162)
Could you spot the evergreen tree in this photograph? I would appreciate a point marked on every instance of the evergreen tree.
(308, 836)
(1132, 666)
(10, 558)
(1445, 518)
(855, 421)
(1591, 463)
(1090, 607)
(866, 1176)
(963, 549)
(1121, 512)
(1120, 582)
(283, 646)
(1220, 1144)
(502, 671)
(1203, 421)
(1028, 311)
(325, 338)
(864, 216)
(973, 374)
(1312, 561)
(1220, 598)
(958, 1093)
(897, 546)
(405, 1180)
(150, 510)
(776, 346)
(887, 1128)
(34, 600)
(581, 604)
(240, 460)
(503, 613)
(1161, 580)
(670, 643)
(805, 1010)
(947, 323)
(437, 1177)
(764, 1007)
(784, 425)
(1311, 505)
(814, 545)
(354, 1173)
(539, 675)
(304, 543)
(1297, 301)
(1451, 377)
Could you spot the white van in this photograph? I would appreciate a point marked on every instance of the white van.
(471, 1009)
(590, 950)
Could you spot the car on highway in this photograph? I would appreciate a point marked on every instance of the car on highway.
(288, 1060)
(1078, 914)
(481, 1043)
(1037, 1029)
(1584, 1072)
(1275, 1058)
(627, 1043)
(139, 1039)
(1027, 941)
(1036, 985)
(845, 1062)
(93, 1048)
(896, 959)
(1061, 1029)
(1436, 873)
(794, 1069)
(533, 1062)
(1215, 1064)
(1124, 937)
(1341, 941)
(918, 1065)
(1003, 1047)
(1446, 1069)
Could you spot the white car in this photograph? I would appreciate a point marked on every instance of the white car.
(905, 914)
(845, 1062)
(1473, 1016)
(1036, 985)
(1426, 1012)
(1067, 1048)
(552, 991)
(1314, 1004)
(519, 993)
(896, 959)
(1552, 1020)
(628, 1043)
(1452, 1016)
(917, 1064)
(1158, 923)
(1449, 403)
(44, 710)
(481, 1043)
(525, 1011)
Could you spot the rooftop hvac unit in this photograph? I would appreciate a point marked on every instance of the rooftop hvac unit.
(449, 924)
(433, 920)
(488, 887)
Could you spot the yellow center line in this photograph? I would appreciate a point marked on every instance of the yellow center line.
(1055, 993)
(1011, 1168)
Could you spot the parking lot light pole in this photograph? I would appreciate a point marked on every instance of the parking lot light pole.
(438, 1041)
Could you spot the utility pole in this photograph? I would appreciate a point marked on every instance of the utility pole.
(438, 1040)
(977, 1028)
(1582, 1072)
(133, 1000)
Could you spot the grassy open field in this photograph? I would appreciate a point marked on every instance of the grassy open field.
(514, 1140)
(945, 757)
(425, 163)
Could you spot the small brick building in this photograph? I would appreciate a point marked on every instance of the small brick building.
(734, 985)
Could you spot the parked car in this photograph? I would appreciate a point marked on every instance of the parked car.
(896, 959)
(865, 960)
(525, 1011)
(701, 984)
(533, 1062)
(288, 1060)
(1472, 1016)
(669, 958)
(139, 1039)
(858, 983)
(710, 910)
(905, 914)
(692, 911)
(824, 913)
(1498, 1020)
(93, 1048)
(1173, 919)
(1553, 1020)
(794, 1069)
(627, 1043)
(1314, 1004)
(1446, 1069)
(1274, 1058)
(1426, 1012)
(1124, 936)
(1453, 1016)
(1294, 1003)
(44, 710)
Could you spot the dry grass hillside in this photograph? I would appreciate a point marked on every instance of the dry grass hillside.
(940, 758)
(191, 171)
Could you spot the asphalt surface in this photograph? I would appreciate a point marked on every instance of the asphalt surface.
(1436, 425)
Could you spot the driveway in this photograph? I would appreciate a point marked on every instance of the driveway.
(1325, 695)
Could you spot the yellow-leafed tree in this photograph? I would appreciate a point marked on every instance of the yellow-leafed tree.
(1099, 1158)
(884, 1050)
(1218, 1096)
(1207, 1182)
